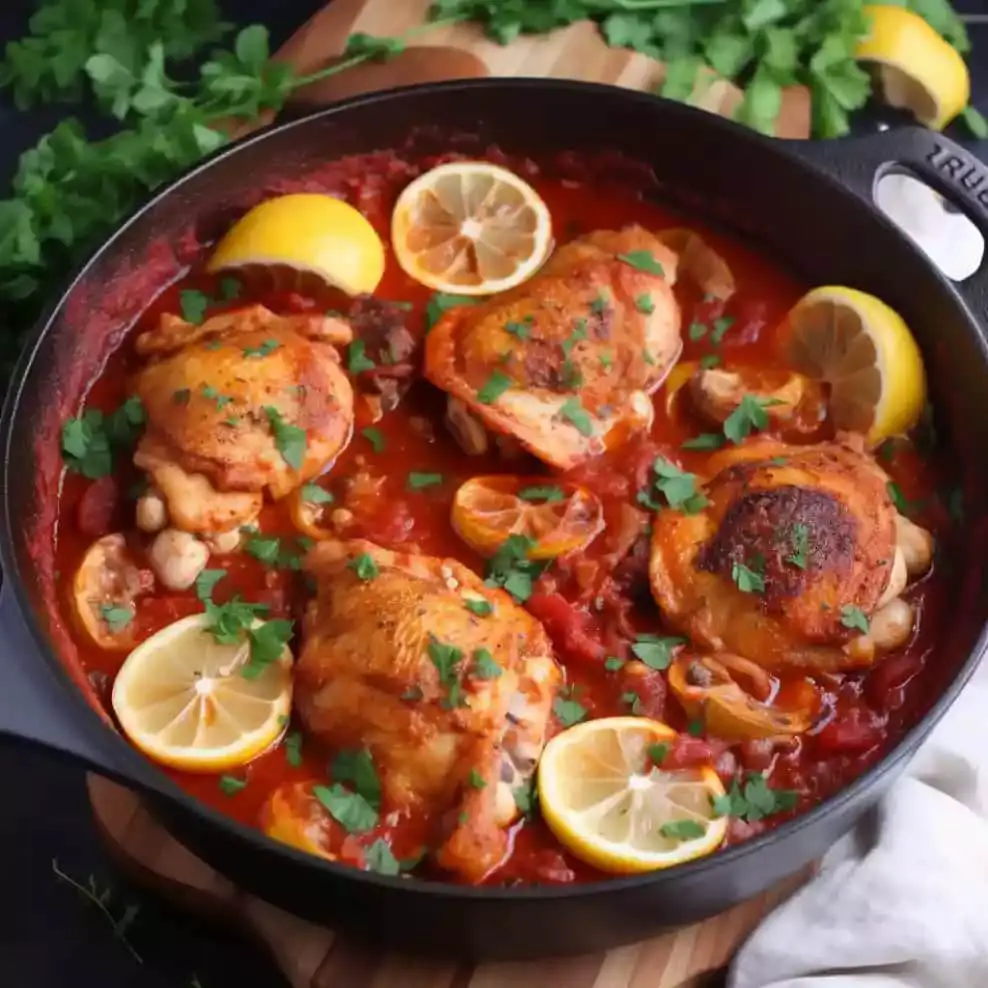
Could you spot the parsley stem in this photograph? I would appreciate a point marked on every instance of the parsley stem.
(354, 60)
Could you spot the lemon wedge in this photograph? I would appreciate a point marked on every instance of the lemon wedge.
(917, 70)
(183, 699)
(864, 350)
(309, 233)
(605, 799)
(470, 228)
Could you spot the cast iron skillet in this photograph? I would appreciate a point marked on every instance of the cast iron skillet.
(808, 204)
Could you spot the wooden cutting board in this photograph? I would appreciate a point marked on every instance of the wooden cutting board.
(315, 957)
(462, 51)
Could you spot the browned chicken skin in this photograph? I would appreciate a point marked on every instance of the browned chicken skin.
(395, 661)
(564, 363)
(798, 551)
(217, 396)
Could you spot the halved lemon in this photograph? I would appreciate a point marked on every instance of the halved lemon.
(917, 69)
(605, 799)
(558, 518)
(866, 353)
(470, 228)
(181, 697)
(309, 233)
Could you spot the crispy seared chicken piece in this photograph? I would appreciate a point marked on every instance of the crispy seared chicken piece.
(565, 363)
(792, 402)
(797, 560)
(245, 403)
(443, 697)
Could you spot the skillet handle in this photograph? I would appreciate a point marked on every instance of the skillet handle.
(858, 163)
(36, 708)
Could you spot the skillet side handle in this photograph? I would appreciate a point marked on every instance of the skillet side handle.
(35, 707)
(954, 172)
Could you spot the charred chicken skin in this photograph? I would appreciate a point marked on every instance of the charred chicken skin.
(452, 704)
(796, 560)
(564, 364)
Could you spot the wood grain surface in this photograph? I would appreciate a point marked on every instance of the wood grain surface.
(312, 956)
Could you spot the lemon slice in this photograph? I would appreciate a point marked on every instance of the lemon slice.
(182, 698)
(557, 518)
(470, 228)
(604, 798)
(309, 233)
(860, 347)
(917, 69)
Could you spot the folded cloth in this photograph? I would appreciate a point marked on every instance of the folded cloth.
(901, 901)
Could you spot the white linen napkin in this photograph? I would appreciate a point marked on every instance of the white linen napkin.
(901, 901)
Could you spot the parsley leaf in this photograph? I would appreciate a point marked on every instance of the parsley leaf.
(799, 542)
(854, 617)
(357, 769)
(484, 666)
(548, 494)
(375, 437)
(511, 568)
(419, 481)
(193, 305)
(494, 387)
(568, 712)
(357, 359)
(289, 439)
(655, 650)
(750, 414)
(754, 800)
(574, 412)
(267, 643)
(643, 260)
(312, 493)
(293, 748)
(440, 303)
(749, 579)
(682, 829)
(116, 617)
(206, 582)
(364, 566)
(447, 659)
(349, 809)
(678, 488)
(481, 608)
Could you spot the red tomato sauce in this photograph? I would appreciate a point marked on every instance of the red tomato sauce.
(864, 713)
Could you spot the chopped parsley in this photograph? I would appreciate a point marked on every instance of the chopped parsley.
(475, 780)
(901, 502)
(750, 414)
(193, 305)
(606, 359)
(357, 359)
(230, 785)
(447, 659)
(574, 412)
(267, 645)
(645, 304)
(854, 617)
(221, 400)
(356, 767)
(633, 702)
(312, 493)
(364, 566)
(697, 331)
(526, 799)
(678, 488)
(288, 439)
(276, 552)
(380, 859)
(721, 326)
(706, 440)
(91, 442)
(374, 437)
(656, 650)
(709, 360)
(658, 752)
(682, 829)
(266, 347)
(438, 305)
(799, 543)
(494, 387)
(749, 578)
(568, 711)
(482, 608)
(523, 329)
(549, 494)
(754, 800)
(511, 568)
(293, 749)
(598, 305)
(206, 582)
(484, 666)
(116, 617)
(643, 260)
(238, 620)
(613, 662)
(349, 809)
(419, 481)
(229, 289)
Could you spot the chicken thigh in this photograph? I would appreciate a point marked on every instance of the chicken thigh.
(796, 559)
(447, 682)
(244, 403)
(565, 363)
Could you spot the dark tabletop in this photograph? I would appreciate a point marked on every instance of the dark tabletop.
(50, 934)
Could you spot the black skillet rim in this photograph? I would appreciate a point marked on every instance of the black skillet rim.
(133, 766)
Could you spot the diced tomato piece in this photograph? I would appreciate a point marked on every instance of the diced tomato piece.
(890, 676)
(851, 733)
(686, 752)
(97, 507)
(567, 626)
